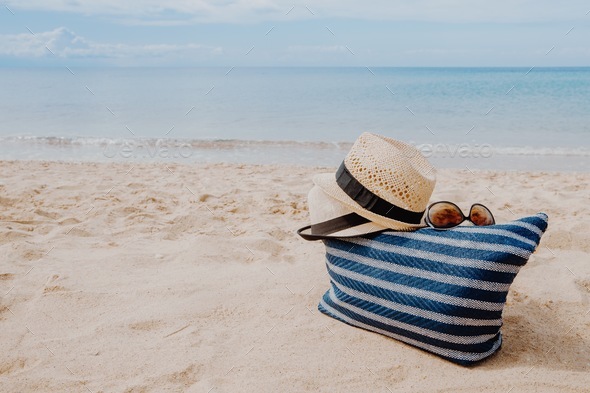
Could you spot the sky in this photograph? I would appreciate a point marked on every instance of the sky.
(394, 33)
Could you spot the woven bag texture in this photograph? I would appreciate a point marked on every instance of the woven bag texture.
(441, 291)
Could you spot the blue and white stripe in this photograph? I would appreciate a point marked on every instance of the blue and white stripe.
(442, 291)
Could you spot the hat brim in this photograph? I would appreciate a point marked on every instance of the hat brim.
(368, 228)
(327, 182)
(331, 218)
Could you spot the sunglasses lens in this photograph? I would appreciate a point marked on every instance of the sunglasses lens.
(481, 215)
(445, 215)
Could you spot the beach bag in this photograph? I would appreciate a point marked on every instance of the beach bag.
(439, 290)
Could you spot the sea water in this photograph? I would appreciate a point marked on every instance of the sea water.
(507, 118)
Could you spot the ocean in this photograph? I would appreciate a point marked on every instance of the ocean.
(490, 118)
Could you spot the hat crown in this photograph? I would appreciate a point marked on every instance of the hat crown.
(395, 171)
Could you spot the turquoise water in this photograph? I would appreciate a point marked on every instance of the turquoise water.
(515, 110)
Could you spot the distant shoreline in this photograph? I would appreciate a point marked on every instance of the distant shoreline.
(225, 67)
(307, 153)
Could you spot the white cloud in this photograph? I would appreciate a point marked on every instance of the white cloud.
(462, 11)
(155, 12)
(243, 11)
(63, 43)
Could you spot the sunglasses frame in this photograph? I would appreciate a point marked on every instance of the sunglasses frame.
(465, 218)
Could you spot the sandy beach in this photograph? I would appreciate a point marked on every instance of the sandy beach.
(190, 278)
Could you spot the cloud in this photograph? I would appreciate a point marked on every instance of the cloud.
(155, 12)
(63, 43)
(173, 12)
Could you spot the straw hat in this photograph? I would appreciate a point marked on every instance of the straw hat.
(382, 184)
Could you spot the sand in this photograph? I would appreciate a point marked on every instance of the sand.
(154, 277)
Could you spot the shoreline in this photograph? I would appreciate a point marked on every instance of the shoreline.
(471, 170)
(194, 275)
(200, 166)
(310, 154)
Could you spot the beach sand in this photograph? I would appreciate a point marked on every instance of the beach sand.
(179, 278)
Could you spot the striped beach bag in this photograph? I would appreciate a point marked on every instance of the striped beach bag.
(440, 290)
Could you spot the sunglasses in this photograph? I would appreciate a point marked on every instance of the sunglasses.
(444, 215)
